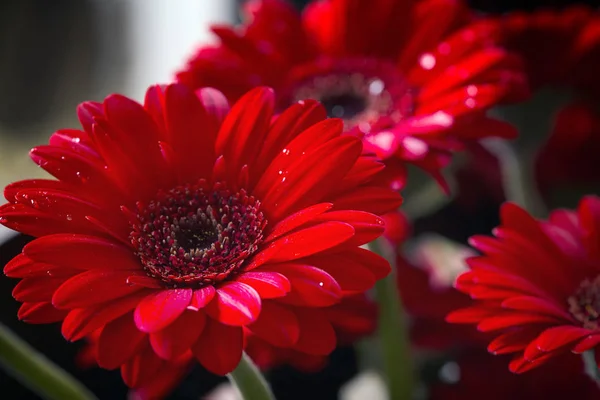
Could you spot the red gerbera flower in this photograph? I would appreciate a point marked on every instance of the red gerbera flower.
(414, 78)
(175, 225)
(559, 47)
(537, 284)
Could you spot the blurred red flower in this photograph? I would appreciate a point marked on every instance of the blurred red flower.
(558, 47)
(413, 78)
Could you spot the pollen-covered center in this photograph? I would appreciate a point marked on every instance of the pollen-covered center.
(196, 235)
(359, 91)
(584, 305)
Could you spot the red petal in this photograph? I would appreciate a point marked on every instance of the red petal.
(373, 199)
(92, 287)
(82, 252)
(277, 325)
(536, 305)
(192, 132)
(83, 321)
(513, 320)
(159, 309)
(351, 275)
(40, 313)
(177, 338)
(235, 304)
(317, 336)
(243, 130)
(289, 124)
(201, 298)
(367, 226)
(556, 337)
(587, 343)
(311, 178)
(311, 240)
(118, 342)
(219, 348)
(311, 286)
(36, 289)
(268, 285)
(141, 369)
(295, 150)
(297, 219)
(511, 342)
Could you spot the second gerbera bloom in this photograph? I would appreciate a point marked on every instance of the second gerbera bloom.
(413, 78)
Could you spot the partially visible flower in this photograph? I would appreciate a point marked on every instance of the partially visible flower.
(413, 78)
(537, 284)
(475, 375)
(174, 226)
(424, 277)
(558, 47)
(569, 158)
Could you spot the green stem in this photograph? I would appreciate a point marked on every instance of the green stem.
(518, 179)
(591, 367)
(393, 332)
(36, 372)
(248, 380)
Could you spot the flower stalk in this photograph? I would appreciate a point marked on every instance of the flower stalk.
(249, 381)
(591, 366)
(36, 372)
(517, 177)
(392, 331)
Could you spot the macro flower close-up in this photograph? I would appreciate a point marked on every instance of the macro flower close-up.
(300, 199)
(175, 225)
(413, 78)
(536, 285)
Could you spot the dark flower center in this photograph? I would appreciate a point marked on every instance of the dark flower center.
(584, 305)
(359, 91)
(196, 235)
(345, 106)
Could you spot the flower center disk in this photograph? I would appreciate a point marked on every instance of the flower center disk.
(359, 91)
(196, 235)
(584, 305)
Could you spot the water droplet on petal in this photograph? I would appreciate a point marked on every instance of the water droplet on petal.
(69, 217)
(427, 61)
(376, 87)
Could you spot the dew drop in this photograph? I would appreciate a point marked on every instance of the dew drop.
(75, 140)
(376, 87)
(321, 284)
(450, 372)
(69, 217)
(427, 61)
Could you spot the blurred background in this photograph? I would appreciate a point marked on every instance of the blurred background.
(56, 54)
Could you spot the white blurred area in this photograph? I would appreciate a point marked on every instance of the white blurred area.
(101, 47)
(162, 35)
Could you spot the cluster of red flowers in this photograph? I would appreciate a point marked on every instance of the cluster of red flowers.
(229, 211)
